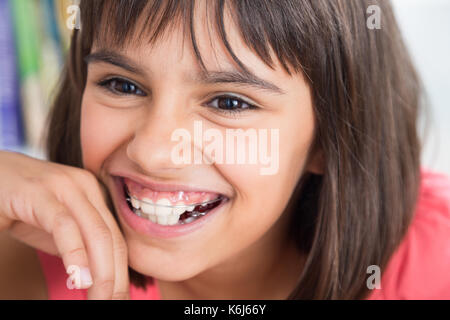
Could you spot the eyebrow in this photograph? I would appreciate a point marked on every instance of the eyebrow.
(239, 78)
(207, 77)
(115, 59)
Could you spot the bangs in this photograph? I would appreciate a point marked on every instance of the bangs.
(268, 28)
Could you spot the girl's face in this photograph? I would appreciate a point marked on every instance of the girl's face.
(137, 97)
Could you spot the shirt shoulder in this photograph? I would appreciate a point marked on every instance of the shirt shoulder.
(420, 267)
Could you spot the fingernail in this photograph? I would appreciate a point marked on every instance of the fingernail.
(86, 277)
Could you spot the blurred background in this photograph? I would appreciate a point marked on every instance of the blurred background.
(425, 25)
(34, 38)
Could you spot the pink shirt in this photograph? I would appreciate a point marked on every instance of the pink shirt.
(419, 269)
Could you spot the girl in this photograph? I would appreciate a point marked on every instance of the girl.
(347, 204)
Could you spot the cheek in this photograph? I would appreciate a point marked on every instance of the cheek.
(102, 130)
(261, 199)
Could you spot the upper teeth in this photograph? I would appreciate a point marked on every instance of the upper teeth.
(161, 212)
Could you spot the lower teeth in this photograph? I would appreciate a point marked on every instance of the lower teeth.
(192, 216)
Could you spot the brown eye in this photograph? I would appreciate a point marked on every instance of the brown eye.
(122, 87)
(230, 104)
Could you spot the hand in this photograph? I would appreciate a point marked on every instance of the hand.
(61, 210)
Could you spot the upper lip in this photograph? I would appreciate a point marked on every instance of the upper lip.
(162, 187)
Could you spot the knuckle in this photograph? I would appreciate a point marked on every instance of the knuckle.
(74, 252)
(102, 234)
(121, 247)
(62, 220)
(87, 176)
(55, 172)
(56, 176)
(89, 182)
(36, 184)
(33, 181)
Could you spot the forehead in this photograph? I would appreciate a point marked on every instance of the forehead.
(200, 30)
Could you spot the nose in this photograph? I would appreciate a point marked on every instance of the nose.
(151, 146)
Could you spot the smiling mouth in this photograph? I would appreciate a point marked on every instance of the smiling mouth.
(164, 212)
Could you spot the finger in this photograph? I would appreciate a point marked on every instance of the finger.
(121, 276)
(97, 193)
(56, 219)
(70, 245)
(98, 241)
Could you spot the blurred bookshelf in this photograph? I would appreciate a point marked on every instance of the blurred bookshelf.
(34, 39)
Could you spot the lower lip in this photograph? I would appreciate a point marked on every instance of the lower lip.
(150, 228)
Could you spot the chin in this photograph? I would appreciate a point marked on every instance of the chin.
(157, 263)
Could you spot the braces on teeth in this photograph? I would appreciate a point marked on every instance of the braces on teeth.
(130, 197)
(189, 209)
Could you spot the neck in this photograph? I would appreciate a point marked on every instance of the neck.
(268, 269)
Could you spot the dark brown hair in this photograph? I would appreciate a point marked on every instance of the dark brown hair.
(366, 96)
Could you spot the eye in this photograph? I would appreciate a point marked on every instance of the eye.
(122, 87)
(230, 104)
